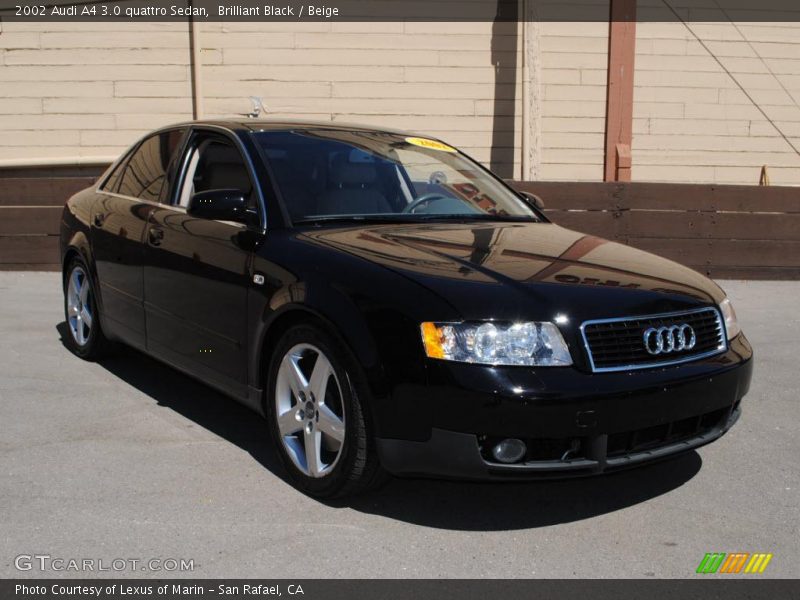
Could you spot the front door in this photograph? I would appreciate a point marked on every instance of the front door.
(197, 271)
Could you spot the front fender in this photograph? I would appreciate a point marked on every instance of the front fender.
(323, 303)
(374, 311)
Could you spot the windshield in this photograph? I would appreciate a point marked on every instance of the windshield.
(332, 175)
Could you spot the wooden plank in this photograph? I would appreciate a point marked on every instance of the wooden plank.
(710, 198)
(42, 249)
(599, 223)
(680, 224)
(751, 273)
(665, 224)
(757, 273)
(30, 267)
(746, 226)
(724, 253)
(45, 172)
(16, 220)
(754, 253)
(563, 195)
(52, 191)
(692, 254)
(663, 196)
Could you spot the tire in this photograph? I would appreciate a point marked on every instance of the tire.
(325, 443)
(84, 334)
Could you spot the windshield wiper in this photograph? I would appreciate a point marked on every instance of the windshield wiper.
(413, 218)
(483, 217)
(353, 219)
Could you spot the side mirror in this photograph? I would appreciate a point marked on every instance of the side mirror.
(219, 205)
(533, 199)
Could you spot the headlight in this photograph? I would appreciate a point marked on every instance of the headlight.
(729, 315)
(525, 344)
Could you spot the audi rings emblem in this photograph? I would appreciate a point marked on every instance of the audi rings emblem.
(664, 340)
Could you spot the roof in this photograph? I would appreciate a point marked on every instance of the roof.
(284, 124)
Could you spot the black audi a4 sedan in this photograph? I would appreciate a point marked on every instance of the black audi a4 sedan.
(389, 305)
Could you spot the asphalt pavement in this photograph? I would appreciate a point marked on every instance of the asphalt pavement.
(128, 460)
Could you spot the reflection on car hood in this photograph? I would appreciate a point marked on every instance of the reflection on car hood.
(524, 256)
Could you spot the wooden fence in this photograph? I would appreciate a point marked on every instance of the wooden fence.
(30, 212)
(724, 231)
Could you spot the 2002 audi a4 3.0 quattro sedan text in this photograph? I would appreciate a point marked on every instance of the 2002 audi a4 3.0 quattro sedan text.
(389, 305)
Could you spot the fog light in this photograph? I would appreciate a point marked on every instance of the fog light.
(509, 450)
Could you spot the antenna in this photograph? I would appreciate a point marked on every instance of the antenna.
(258, 107)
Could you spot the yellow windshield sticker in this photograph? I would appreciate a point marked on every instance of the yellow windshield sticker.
(432, 144)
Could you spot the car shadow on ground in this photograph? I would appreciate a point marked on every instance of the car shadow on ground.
(432, 503)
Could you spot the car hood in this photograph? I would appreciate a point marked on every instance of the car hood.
(525, 269)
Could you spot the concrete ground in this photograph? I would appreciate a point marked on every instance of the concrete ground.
(129, 459)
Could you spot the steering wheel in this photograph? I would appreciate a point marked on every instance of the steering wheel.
(421, 200)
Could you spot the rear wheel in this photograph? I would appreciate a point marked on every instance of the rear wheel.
(318, 422)
(85, 337)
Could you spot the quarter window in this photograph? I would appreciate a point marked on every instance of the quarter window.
(111, 183)
(146, 173)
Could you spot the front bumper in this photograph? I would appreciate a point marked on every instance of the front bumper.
(573, 423)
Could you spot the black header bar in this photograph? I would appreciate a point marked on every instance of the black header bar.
(702, 588)
(395, 10)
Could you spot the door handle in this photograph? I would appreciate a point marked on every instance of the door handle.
(99, 219)
(155, 235)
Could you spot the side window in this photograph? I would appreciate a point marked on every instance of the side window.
(112, 182)
(215, 164)
(146, 172)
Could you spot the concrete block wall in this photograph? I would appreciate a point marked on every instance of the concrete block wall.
(574, 70)
(89, 90)
(79, 89)
(714, 111)
(457, 81)
(82, 89)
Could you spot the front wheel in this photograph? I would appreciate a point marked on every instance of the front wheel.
(315, 413)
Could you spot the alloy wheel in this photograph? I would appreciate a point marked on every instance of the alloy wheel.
(310, 410)
(79, 306)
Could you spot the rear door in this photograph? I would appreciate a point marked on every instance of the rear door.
(118, 224)
(197, 271)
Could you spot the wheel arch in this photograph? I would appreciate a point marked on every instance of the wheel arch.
(70, 254)
(78, 246)
(295, 314)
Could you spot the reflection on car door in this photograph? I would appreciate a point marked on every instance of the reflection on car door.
(118, 224)
(197, 271)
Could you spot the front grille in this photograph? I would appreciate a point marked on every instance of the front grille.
(618, 344)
